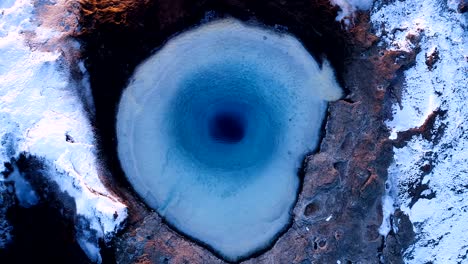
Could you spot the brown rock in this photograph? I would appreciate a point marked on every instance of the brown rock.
(432, 59)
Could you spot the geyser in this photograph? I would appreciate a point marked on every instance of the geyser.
(213, 127)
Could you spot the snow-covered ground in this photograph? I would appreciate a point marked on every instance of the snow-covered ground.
(41, 114)
(440, 214)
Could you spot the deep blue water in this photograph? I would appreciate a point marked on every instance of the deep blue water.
(226, 101)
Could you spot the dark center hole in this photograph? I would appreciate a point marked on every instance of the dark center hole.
(311, 208)
(227, 127)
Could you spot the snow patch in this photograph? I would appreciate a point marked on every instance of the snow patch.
(348, 7)
(39, 109)
(7, 3)
(435, 199)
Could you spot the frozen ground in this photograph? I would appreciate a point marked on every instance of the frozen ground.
(40, 114)
(429, 178)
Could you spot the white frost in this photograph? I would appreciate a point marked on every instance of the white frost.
(348, 7)
(39, 107)
(440, 222)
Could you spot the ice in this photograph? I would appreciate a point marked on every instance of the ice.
(213, 128)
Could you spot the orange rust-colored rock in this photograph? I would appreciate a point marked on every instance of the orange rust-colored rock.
(360, 32)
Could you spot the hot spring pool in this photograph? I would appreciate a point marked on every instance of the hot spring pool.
(214, 126)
